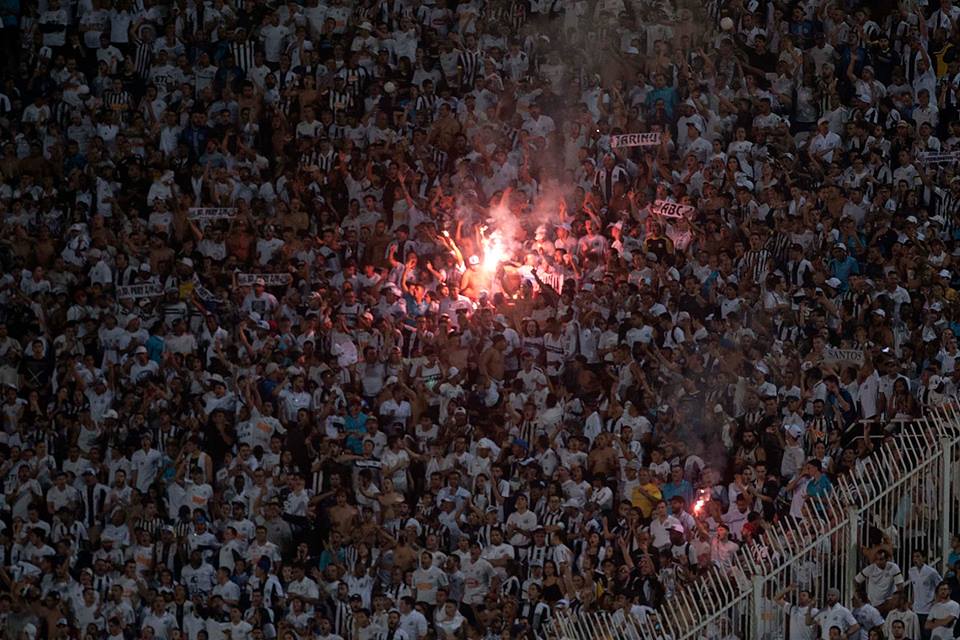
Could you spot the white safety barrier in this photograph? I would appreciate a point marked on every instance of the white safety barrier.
(903, 496)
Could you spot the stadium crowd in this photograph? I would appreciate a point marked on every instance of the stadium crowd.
(362, 320)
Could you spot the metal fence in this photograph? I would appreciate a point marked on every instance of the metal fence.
(903, 497)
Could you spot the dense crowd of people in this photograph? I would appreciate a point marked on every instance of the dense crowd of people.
(370, 320)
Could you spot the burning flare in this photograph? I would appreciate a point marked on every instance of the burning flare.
(703, 497)
(494, 251)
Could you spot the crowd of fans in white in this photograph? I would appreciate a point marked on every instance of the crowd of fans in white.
(358, 320)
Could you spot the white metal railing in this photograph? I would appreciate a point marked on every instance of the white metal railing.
(904, 496)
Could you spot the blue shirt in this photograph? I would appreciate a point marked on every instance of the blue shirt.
(683, 489)
(851, 413)
(669, 97)
(155, 345)
(841, 270)
(327, 558)
(355, 427)
(819, 488)
(11, 13)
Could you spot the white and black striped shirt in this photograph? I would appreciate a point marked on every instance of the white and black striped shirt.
(483, 535)
(440, 158)
(799, 272)
(539, 555)
(753, 264)
(554, 518)
(243, 54)
(752, 419)
(343, 619)
(355, 79)
(537, 615)
(93, 498)
(150, 526)
(605, 178)
(777, 245)
(102, 584)
(118, 101)
(470, 64)
(76, 531)
(427, 103)
(166, 555)
(340, 101)
(323, 161)
(142, 59)
(945, 203)
(337, 132)
(163, 437)
(398, 591)
(528, 431)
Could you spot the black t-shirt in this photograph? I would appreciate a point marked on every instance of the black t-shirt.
(36, 371)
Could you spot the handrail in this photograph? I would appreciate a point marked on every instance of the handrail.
(879, 491)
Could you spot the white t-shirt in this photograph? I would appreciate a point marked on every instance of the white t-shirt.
(826, 145)
(146, 464)
(526, 521)
(476, 580)
(660, 531)
(273, 37)
(414, 624)
(881, 582)
(948, 609)
(798, 621)
(924, 582)
(427, 581)
(498, 552)
(835, 616)
(391, 459)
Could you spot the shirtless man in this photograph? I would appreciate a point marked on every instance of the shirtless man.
(472, 280)
(404, 556)
(491, 360)
(603, 460)
(343, 515)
